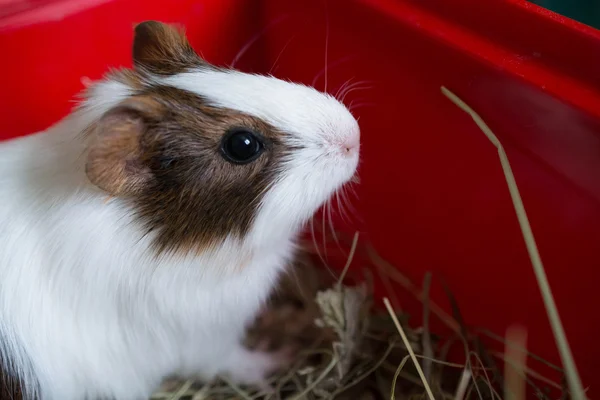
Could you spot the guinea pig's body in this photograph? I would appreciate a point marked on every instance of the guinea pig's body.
(140, 235)
(87, 310)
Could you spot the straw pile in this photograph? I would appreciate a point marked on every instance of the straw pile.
(348, 349)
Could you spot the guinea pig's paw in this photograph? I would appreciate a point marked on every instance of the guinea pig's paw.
(254, 367)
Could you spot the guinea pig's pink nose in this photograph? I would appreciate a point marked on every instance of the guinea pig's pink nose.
(351, 144)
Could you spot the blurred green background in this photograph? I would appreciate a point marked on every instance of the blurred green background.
(586, 11)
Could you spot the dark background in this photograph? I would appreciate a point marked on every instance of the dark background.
(586, 11)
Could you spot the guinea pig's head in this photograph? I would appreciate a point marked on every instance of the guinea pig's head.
(206, 154)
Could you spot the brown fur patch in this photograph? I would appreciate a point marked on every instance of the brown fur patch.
(10, 387)
(115, 158)
(187, 194)
(163, 49)
(197, 197)
(161, 150)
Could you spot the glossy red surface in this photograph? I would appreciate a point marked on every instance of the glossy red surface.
(432, 194)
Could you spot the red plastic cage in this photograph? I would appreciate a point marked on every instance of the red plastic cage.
(432, 195)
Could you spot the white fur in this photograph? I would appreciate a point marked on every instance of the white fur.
(87, 312)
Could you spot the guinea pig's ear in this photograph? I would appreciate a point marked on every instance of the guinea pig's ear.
(162, 49)
(115, 158)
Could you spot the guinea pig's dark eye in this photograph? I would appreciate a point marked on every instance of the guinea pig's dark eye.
(241, 146)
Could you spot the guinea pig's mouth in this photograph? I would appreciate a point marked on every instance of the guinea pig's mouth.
(352, 163)
(347, 188)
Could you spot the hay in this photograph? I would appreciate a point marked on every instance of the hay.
(349, 349)
(572, 375)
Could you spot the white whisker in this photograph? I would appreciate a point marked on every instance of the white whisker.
(353, 89)
(347, 198)
(331, 227)
(331, 66)
(249, 44)
(326, 44)
(314, 240)
(280, 54)
(341, 208)
(354, 106)
(324, 237)
(359, 85)
(342, 88)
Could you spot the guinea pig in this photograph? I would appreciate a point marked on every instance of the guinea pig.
(141, 234)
